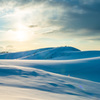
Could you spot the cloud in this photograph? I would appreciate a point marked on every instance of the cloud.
(78, 15)
(32, 26)
(1, 48)
(95, 39)
(9, 48)
(66, 18)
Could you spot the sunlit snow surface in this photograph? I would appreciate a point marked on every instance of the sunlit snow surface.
(76, 79)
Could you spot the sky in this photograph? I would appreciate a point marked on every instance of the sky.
(32, 24)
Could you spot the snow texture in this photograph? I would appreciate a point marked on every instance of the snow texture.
(61, 73)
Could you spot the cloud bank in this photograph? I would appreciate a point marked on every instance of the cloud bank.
(75, 19)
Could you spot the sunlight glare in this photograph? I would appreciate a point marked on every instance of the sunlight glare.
(21, 35)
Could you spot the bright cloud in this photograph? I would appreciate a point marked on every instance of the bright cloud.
(31, 20)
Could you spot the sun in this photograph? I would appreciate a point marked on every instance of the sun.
(21, 35)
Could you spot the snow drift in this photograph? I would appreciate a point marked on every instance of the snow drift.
(50, 74)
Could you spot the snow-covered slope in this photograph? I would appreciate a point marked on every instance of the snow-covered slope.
(37, 80)
(54, 53)
(61, 73)
(17, 55)
(82, 68)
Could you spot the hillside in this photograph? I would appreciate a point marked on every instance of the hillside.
(53, 73)
(37, 79)
(17, 55)
(54, 53)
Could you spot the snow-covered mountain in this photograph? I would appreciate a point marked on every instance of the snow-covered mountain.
(60, 73)
(54, 53)
(17, 55)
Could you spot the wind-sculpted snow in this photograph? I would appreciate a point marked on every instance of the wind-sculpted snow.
(32, 76)
(61, 73)
(88, 68)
